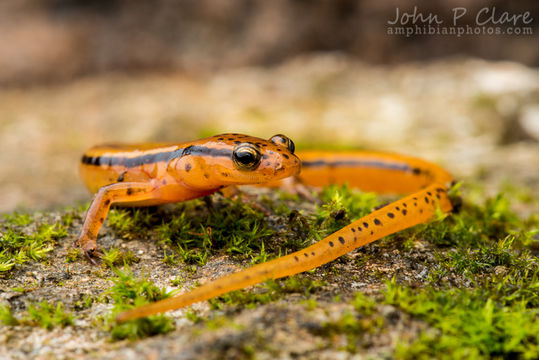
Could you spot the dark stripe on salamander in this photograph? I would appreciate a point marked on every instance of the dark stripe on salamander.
(165, 156)
(358, 163)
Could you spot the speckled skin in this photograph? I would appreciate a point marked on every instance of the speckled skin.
(193, 175)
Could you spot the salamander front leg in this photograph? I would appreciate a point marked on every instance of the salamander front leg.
(97, 212)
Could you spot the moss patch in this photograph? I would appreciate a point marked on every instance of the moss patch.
(466, 284)
(45, 315)
(23, 240)
(127, 293)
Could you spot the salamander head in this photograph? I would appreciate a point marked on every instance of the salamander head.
(235, 159)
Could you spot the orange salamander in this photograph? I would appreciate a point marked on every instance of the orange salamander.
(141, 175)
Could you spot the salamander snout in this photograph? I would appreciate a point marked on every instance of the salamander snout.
(279, 157)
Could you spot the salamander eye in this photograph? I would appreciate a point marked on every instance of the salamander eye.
(246, 156)
(282, 140)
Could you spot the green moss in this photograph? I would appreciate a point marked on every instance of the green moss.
(117, 257)
(363, 304)
(217, 322)
(85, 303)
(299, 232)
(310, 304)
(353, 325)
(487, 244)
(225, 226)
(341, 205)
(477, 241)
(197, 229)
(20, 243)
(177, 281)
(473, 226)
(192, 315)
(214, 322)
(6, 316)
(262, 256)
(17, 219)
(170, 258)
(268, 292)
(73, 255)
(44, 314)
(131, 222)
(468, 323)
(127, 293)
(518, 192)
(485, 258)
(72, 213)
(48, 315)
(495, 320)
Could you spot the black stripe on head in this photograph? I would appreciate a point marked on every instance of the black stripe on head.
(165, 156)
(206, 151)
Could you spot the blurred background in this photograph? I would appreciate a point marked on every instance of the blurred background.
(328, 73)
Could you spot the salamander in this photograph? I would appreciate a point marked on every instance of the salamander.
(140, 175)
(153, 174)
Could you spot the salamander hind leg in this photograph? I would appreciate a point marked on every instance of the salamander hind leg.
(97, 212)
